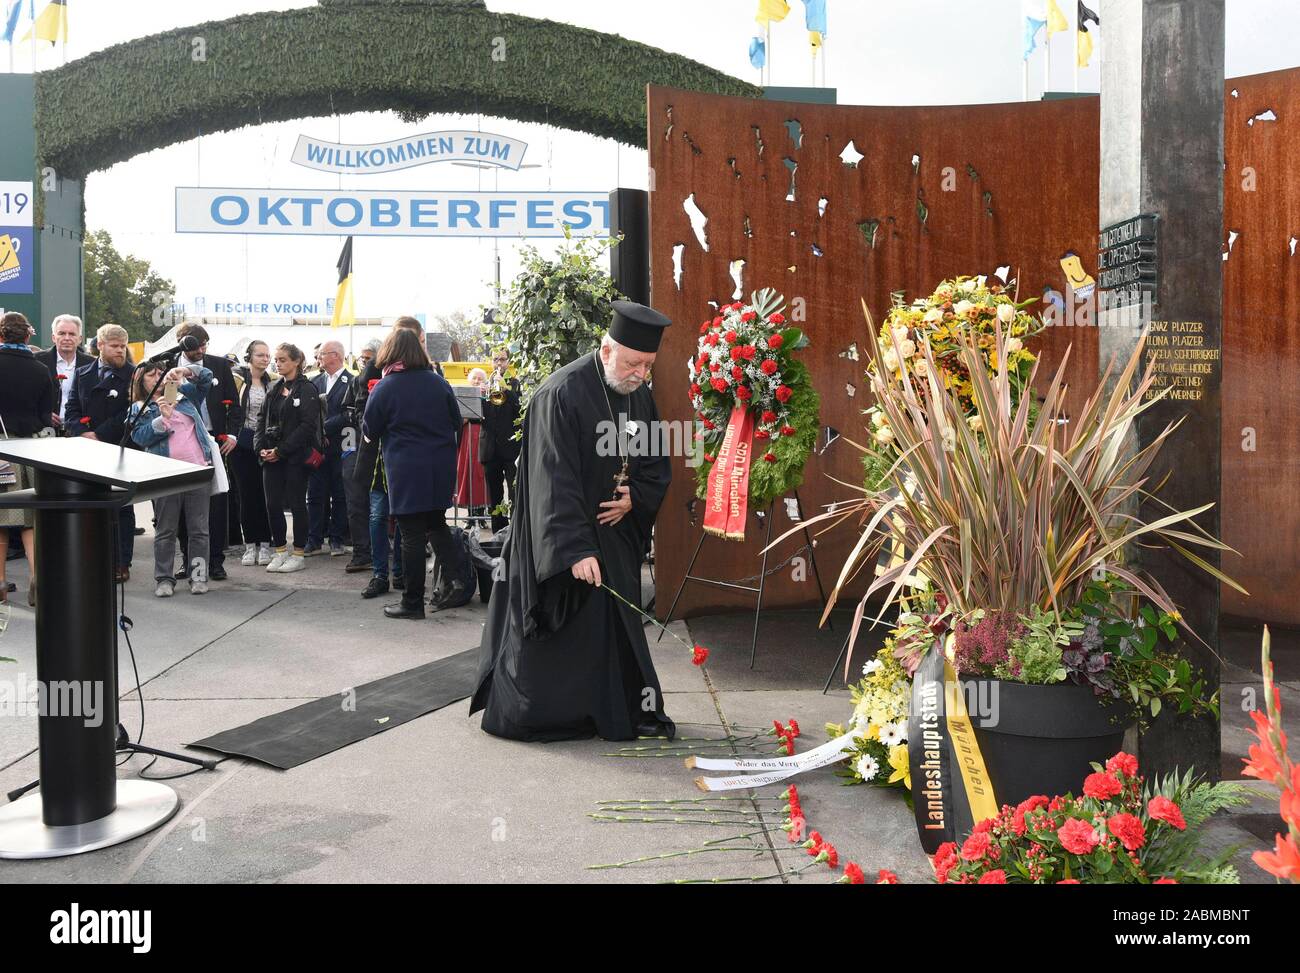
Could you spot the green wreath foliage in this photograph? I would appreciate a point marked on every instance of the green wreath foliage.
(416, 57)
(770, 481)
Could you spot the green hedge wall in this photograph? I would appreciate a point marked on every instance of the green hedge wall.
(413, 56)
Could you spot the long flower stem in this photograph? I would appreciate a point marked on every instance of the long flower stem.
(636, 608)
(688, 800)
(622, 819)
(753, 850)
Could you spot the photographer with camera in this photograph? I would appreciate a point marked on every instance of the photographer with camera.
(289, 434)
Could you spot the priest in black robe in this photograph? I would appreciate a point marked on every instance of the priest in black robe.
(561, 658)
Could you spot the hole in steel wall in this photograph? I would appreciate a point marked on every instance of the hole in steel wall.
(821, 206)
(794, 232)
(678, 249)
(1003, 272)
(1234, 93)
(668, 126)
(916, 164)
(922, 211)
(758, 140)
(695, 149)
(749, 230)
(850, 390)
(698, 220)
(817, 251)
(1264, 116)
(850, 156)
(970, 171)
(1292, 244)
(828, 436)
(851, 352)
(795, 131)
(793, 167)
(869, 228)
(738, 275)
(988, 202)
(732, 163)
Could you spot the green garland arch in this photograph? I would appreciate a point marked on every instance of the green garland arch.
(413, 56)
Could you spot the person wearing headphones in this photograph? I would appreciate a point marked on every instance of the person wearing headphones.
(254, 380)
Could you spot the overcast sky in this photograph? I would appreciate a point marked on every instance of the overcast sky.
(883, 52)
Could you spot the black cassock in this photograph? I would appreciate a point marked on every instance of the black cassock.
(561, 659)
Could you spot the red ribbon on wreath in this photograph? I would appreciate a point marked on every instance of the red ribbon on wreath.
(727, 502)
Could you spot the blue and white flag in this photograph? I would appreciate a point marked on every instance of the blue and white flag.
(17, 14)
(1032, 26)
(757, 52)
(815, 16)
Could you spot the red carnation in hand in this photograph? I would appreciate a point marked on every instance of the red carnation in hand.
(777, 318)
(719, 384)
(1101, 786)
(85, 420)
(769, 367)
(886, 877)
(783, 393)
(769, 417)
(775, 341)
(227, 402)
(853, 874)
(1128, 829)
(1125, 763)
(788, 430)
(769, 457)
(995, 877)
(742, 392)
(1163, 809)
(699, 654)
(1077, 836)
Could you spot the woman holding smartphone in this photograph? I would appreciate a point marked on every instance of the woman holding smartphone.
(171, 425)
(286, 435)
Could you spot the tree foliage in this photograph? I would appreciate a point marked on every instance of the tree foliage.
(122, 289)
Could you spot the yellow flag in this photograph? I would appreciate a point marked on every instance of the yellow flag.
(343, 312)
(768, 10)
(52, 23)
(1084, 48)
(1055, 19)
(815, 39)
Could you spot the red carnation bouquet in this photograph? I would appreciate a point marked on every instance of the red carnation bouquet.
(756, 409)
(1120, 831)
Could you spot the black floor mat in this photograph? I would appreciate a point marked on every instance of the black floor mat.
(297, 735)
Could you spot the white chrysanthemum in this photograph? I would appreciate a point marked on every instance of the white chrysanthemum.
(1006, 313)
(870, 666)
(867, 767)
(892, 734)
(891, 359)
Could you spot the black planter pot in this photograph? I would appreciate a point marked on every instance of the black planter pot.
(1045, 737)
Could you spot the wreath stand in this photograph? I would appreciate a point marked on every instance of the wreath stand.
(769, 516)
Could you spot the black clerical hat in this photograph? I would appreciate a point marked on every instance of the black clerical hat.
(636, 326)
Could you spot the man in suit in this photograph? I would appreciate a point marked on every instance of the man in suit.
(327, 509)
(64, 359)
(97, 405)
(497, 447)
(223, 418)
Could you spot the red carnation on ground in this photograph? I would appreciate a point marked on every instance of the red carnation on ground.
(1125, 763)
(794, 726)
(832, 856)
(1163, 809)
(780, 730)
(783, 393)
(769, 367)
(814, 843)
(769, 457)
(1101, 786)
(975, 847)
(699, 654)
(886, 877)
(1077, 836)
(853, 874)
(995, 877)
(945, 859)
(777, 318)
(719, 384)
(1128, 829)
(769, 417)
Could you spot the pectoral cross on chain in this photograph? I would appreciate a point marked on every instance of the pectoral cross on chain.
(620, 478)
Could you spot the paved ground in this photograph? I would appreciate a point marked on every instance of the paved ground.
(437, 799)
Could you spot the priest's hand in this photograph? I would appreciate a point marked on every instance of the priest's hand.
(615, 510)
(588, 570)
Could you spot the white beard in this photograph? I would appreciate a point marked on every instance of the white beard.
(625, 387)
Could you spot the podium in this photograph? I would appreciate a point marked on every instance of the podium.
(80, 486)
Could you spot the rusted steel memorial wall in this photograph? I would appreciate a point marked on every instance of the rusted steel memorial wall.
(831, 205)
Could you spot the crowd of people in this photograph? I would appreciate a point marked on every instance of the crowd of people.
(365, 457)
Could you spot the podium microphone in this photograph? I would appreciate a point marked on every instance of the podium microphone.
(188, 343)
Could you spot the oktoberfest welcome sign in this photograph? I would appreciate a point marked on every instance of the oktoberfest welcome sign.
(481, 148)
(390, 213)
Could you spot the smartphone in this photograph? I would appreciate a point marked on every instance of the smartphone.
(169, 392)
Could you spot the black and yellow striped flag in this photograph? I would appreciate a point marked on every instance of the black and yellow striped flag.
(343, 313)
(52, 24)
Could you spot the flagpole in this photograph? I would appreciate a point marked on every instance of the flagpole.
(1075, 59)
(768, 48)
(1047, 61)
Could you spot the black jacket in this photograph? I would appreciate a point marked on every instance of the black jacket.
(27, 396)
(244, 380)
(497, 441)
(336, 404)
(50, 359)
(98, 403)
(288, 421)
(224, 411)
